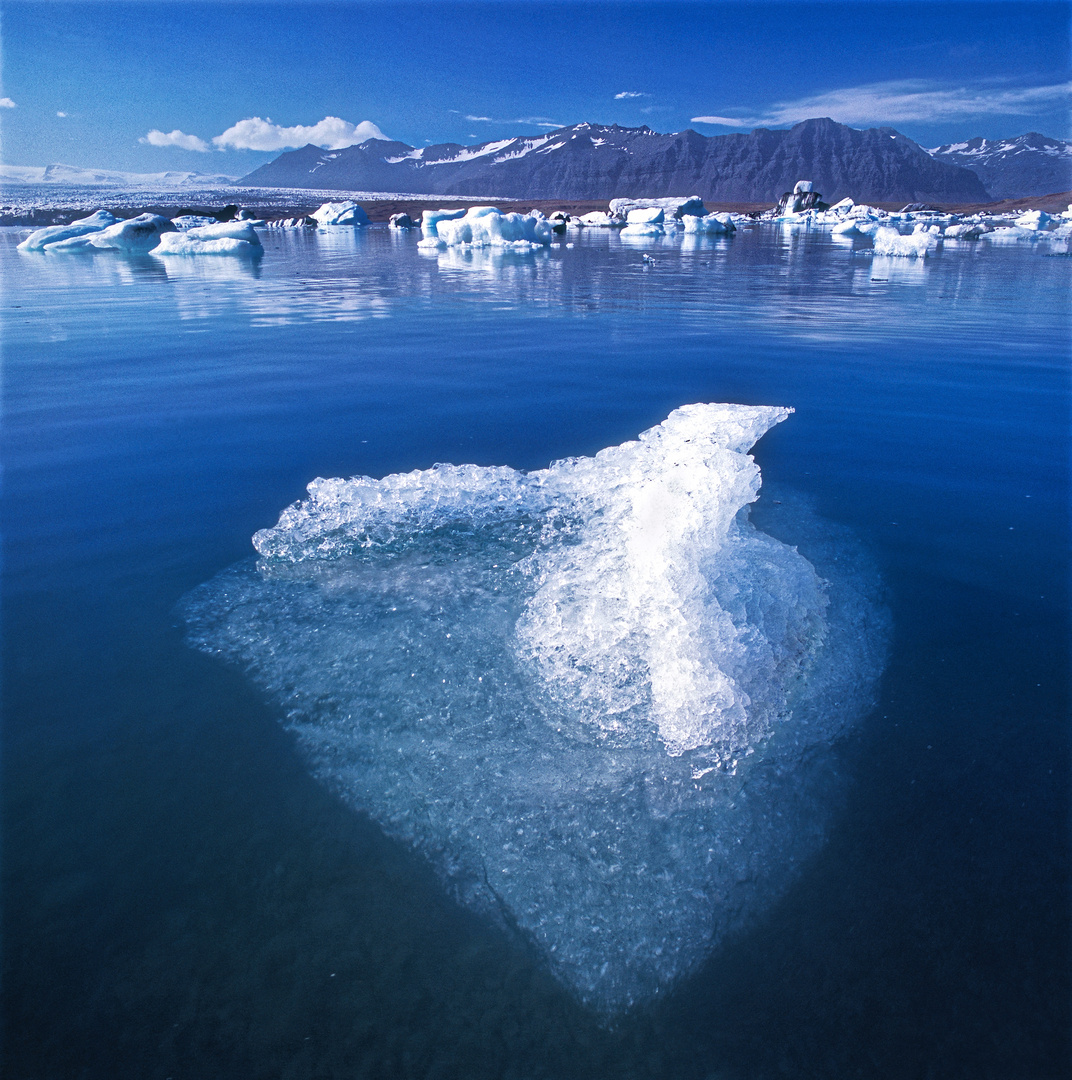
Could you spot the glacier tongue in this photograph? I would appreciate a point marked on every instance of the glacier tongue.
(595, 697)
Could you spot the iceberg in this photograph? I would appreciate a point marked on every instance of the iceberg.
(596, 219)
(595, 697)
(193, 221)
(224, 238)
(134, 236)
(1033, 219)
(340, 213)
(916, 245)
(53, 234)
(486, 226)
(689, 206)
(431, 218)
(710, 224)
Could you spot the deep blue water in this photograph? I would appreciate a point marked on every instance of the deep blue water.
(181, 898)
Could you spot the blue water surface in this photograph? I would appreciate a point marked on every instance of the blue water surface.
(181, 898)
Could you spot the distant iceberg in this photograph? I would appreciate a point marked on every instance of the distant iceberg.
(340, 213)
(595, 697)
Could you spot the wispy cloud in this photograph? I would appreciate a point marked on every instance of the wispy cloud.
(6, 103)
(909, 101)
(532, 121)
(331, 133)
(626, 95)
(174, 138)
(62, 115)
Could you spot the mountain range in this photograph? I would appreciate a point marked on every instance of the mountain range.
(1033, 164)
(588, 161)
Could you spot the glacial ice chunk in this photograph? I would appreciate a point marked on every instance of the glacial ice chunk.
(486, 226)
(53, 234)
(340, 213)
(595, 697)
(134, 236)
(710, 224)
(916, 245)
(225, 238)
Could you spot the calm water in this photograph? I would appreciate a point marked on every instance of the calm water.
(183, 899)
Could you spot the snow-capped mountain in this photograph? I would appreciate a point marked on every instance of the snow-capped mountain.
(1032, 164)
(587, 161)
(78, 177)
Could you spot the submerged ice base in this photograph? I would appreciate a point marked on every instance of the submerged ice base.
(595, 697)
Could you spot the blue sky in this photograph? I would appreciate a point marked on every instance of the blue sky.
(224, 87)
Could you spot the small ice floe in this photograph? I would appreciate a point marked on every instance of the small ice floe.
(220, 238)
(485, 226)
(340, 213)
(645, 221)
(53, 234)
(709, 224)
(293, 223)
(917, 245)
(402, 221)
(964, 230)
(1035, 220)
(193, 221)
(647, 260)
(675, 208)
(597, 219)
(134, 236)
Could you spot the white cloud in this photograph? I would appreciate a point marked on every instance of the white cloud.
(62, 115)
(534, 121)
(627, 94)
(331, 133)
(909, 101)
(176, 138)
(6, 103)
(724, 121)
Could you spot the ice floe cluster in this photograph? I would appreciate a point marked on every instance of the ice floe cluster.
(917, 231)
(595, 697)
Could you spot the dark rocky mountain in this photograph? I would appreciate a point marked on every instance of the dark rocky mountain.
(1032, 164)
(590, 162)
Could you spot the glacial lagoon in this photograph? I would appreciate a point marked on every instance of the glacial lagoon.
(545, 733)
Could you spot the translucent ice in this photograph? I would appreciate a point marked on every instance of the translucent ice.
(53, 234)
(710, 224)
(595, 697)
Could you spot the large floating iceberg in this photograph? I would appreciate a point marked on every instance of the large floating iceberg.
(53, 234)
(340, 213)
(485, 226)
(135, 236)
(595, 697)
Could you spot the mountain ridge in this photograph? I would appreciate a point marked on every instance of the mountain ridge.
(589, 161)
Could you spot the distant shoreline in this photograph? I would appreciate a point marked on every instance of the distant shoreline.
(380, 211)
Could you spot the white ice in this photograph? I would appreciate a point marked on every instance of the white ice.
(595, 697)
(224, 238)
(53, 234)
(917, 245)
(486, 226)
(340, 213)
(710, 224)
(134, 236)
